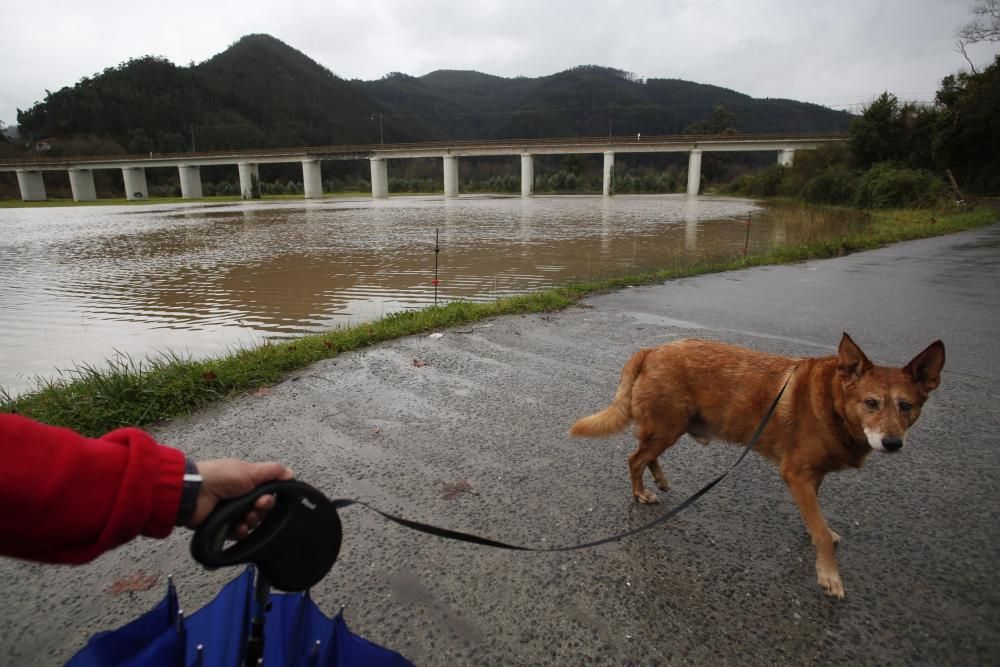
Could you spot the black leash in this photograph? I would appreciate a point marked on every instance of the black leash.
(299, 541)
(475, 539)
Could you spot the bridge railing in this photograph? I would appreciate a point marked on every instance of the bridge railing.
(374, 149)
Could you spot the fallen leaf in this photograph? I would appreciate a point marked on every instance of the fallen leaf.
(451, 490)
(263, 391)
(209, 376)
(420, 363)
(140, 581)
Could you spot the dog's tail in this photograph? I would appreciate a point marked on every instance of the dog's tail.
(616, 416)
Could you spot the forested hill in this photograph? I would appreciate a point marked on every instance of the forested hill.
(261, 92)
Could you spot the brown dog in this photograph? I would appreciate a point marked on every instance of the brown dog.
(834, 412)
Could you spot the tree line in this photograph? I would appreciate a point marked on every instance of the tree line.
(900, 153)
(262, 93)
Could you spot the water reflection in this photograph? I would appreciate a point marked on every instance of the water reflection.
(80, 283)
(691, 221)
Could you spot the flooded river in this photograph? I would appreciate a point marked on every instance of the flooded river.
(81, 284)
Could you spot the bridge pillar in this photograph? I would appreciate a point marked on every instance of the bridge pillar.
(450, 176)
(312, 181)
(380, 178)
(609, 173)
(694, 172)
(32, 185)
(135, 183)
(786, 156)
(81, 182)
(249, 180)
(527, 175)
(190, 181)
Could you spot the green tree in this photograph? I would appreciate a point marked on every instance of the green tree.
(967, 131)
(720, 122)
(878, 134)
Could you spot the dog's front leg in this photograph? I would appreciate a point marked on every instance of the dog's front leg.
(804, 485)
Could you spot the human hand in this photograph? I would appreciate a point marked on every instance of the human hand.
(230, 478)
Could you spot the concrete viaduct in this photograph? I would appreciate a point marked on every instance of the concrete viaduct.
(81, 168)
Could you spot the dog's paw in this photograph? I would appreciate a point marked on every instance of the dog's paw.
(663, 484)
(831, 583)
(646, 497)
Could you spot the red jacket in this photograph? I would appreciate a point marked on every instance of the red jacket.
(68, 499)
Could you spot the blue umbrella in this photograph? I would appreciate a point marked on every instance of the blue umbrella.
(151, 640)
(295, 633)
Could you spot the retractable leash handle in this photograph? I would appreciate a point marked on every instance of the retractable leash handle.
(294, 547)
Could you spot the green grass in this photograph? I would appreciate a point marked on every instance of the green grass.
(94, 399)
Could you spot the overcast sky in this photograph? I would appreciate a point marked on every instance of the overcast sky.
(836, 53)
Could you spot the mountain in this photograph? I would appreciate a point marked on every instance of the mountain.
(261, 92)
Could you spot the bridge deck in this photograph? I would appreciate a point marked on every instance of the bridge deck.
(616, 144)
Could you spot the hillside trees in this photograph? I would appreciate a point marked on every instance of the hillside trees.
(263, 93)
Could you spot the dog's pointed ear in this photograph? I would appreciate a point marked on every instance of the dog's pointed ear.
(925, 368)
(851, 361)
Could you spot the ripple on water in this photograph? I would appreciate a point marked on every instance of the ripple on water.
(82, 283)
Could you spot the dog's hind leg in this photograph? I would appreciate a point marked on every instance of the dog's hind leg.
(661, 480)
(653, 441)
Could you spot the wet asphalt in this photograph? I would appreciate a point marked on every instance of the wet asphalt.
(475, 440)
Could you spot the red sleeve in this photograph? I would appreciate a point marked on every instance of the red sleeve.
(68, 499)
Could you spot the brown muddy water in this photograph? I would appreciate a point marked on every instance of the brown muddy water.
(79, 285)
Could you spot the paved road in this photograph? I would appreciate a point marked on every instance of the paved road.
(730, 581)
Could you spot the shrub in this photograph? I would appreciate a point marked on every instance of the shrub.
(888, 186)
(764, 183)
(836, 185)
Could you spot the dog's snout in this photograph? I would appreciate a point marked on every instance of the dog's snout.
(892, 444)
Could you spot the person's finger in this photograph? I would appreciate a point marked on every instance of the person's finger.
(264, 503)
(230, 478)
(270, 471)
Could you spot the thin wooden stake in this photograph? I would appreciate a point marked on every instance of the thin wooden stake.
(746, 244)
(437, 249)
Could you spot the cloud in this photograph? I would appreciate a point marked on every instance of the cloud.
(834, 53)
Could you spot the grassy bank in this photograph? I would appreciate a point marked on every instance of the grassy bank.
(95, 399)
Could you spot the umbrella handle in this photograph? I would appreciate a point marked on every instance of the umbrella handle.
(294, 547)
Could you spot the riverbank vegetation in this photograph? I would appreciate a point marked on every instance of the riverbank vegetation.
(125, 391)
(901, 154)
